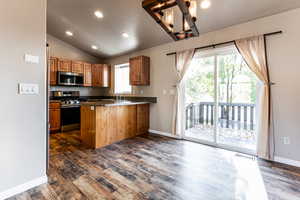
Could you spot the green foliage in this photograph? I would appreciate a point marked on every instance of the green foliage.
(237, 84)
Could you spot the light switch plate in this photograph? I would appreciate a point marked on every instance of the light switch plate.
(28, 89)
(32, 59)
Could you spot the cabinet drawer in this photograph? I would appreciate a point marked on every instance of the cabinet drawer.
(54, 105)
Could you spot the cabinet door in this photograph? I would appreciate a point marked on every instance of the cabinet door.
(87, 74)
(97, 75)
(54, 119)
(142, 118)
(105, 75)
(145, 71)
(64, 65)
(140, 70)
(135, 70)
(53, 71)
(77, 67)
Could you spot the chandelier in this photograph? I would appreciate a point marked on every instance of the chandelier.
(162, 11)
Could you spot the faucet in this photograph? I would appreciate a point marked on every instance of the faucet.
(118, 97)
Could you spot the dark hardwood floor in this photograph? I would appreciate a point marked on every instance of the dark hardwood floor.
(152, 167)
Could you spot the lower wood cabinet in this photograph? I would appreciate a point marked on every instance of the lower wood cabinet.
(54, 116)
(105, 125)
(143, 113)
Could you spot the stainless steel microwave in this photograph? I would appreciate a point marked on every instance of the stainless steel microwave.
(70, 79)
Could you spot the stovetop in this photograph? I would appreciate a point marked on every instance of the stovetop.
(70, 103)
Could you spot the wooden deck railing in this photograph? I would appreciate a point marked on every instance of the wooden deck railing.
(231, 115)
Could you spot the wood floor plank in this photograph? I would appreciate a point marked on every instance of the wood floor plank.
(159, 168)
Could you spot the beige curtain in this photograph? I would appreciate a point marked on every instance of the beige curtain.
(253, 50)
(183, 61)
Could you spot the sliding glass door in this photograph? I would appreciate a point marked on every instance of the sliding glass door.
(220, 97)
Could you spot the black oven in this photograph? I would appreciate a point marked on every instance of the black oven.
(70, 79)
(70, 117)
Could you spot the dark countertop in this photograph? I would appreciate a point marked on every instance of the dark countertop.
(94, 98)
(55, 101)
(113, 103)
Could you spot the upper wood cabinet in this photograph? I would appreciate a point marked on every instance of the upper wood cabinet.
(87, 71)
(64, 65)
(77, 67)
(101, 75)
(53, 70)
(139, 70)
(106, 75)
(96, 75)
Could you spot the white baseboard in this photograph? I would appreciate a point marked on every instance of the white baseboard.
(23, 187)
(163, 134)
(287, 161)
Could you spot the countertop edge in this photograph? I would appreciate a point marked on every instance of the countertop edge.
(112, 104)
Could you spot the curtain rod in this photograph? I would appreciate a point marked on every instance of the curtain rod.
(223, 43)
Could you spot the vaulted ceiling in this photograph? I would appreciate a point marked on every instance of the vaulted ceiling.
(128, 16)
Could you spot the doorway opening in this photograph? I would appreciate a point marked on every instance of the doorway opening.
(220, 100)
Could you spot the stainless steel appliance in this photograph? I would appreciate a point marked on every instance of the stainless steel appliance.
(70, 109)
(70, 79)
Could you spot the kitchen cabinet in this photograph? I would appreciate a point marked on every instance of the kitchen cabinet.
(106, 75)
(95, 75)
(87, 72)
(142, 118)
(101, 75)
(139, 71)
(64, 65)
(77, 67)
(54, 116)
(53, 70)
(105, 125)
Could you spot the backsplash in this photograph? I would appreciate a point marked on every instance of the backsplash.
(84, 91)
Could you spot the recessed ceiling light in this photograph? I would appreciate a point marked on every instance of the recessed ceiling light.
(98, 14)
(205, 4)
(94, 47)
(125, 35)
(69, 33)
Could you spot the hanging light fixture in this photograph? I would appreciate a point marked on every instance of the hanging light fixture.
(169, 18)
(193, 9)
(163, 13)
(192, 5)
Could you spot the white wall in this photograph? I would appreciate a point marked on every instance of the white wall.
(283, 53)
(61, 49)
(22, 117)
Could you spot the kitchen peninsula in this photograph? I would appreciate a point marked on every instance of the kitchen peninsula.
(105, 122)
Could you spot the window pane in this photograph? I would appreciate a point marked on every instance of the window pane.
(122, 79)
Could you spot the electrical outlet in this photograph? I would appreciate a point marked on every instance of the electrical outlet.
(164, 92)
(286, 140)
